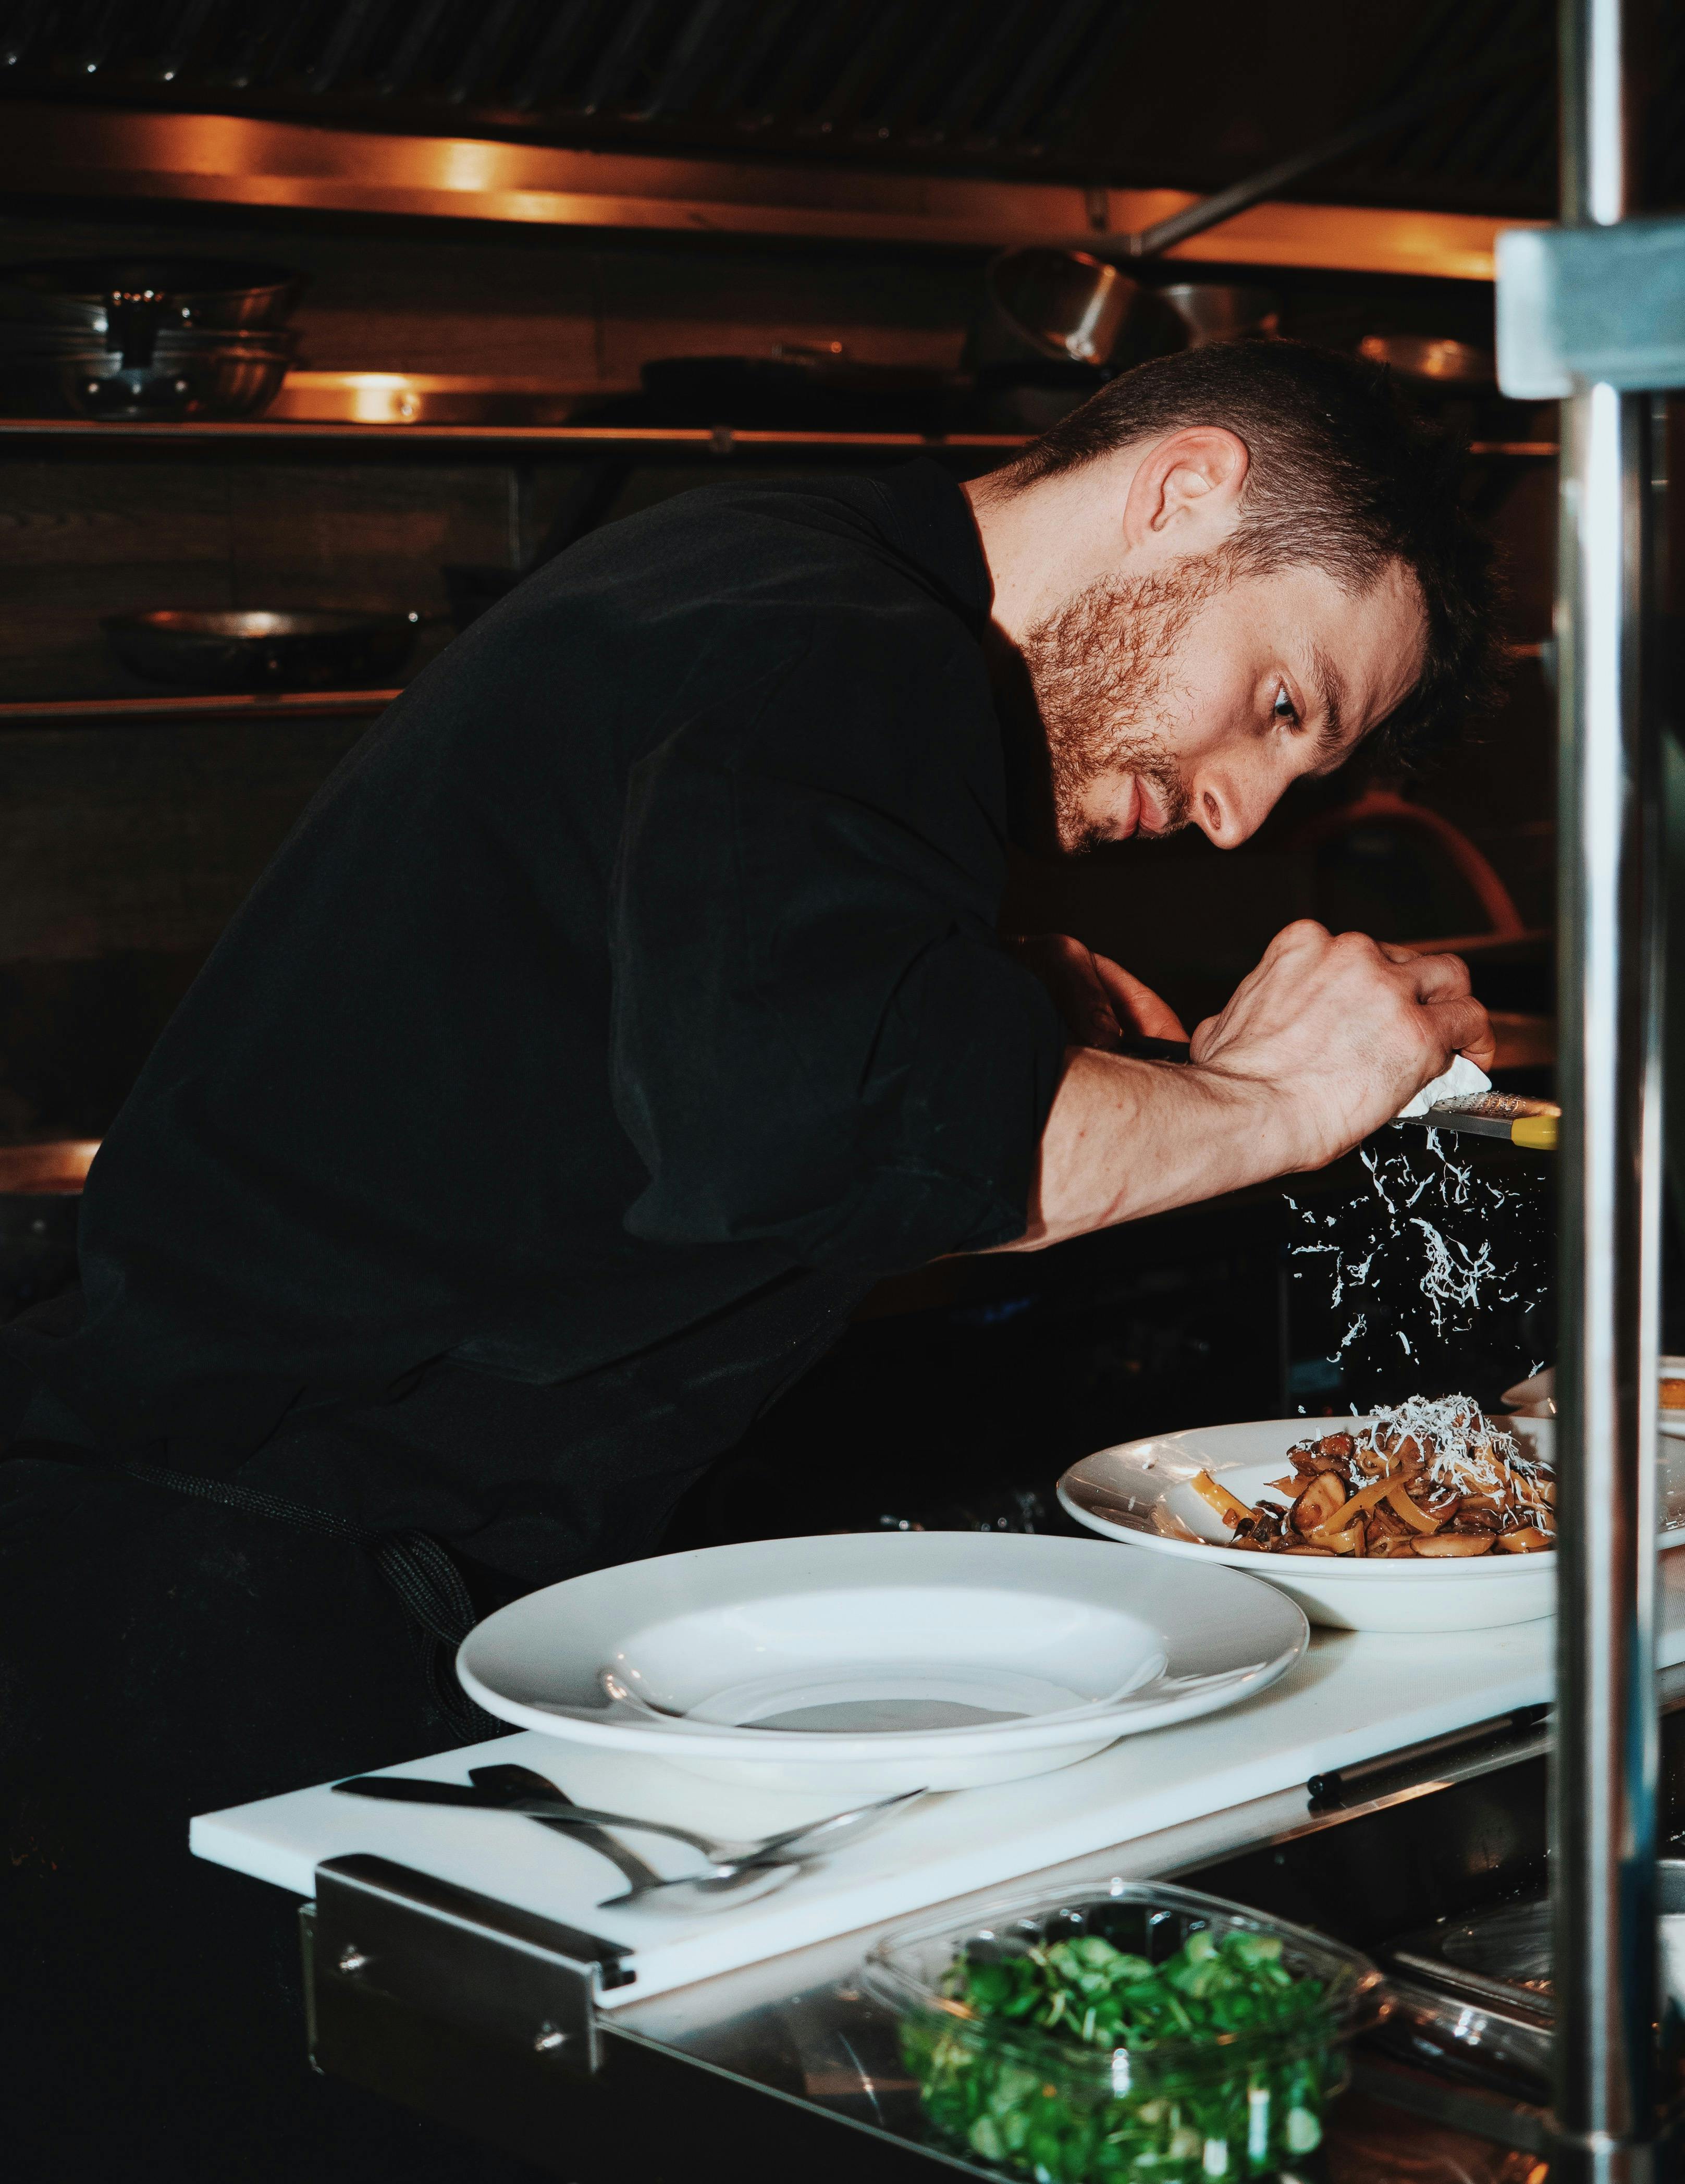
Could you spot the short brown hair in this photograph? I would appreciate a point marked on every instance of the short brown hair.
(1343, 475)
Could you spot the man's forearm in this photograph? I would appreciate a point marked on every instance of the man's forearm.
(1127, 1138)
(1323, 1043)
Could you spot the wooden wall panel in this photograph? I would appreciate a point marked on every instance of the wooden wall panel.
(147, 838)
(79, 540)
(363, 535)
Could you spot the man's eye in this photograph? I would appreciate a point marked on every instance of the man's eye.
(1284, 709)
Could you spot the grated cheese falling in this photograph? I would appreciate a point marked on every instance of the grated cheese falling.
(1395, 1245)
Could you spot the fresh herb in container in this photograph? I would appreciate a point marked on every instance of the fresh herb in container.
(1145, 2033)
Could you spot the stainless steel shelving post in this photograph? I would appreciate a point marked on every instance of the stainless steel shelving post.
(1605, 1785)
(1590, 314)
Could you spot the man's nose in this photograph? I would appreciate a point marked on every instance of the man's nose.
(1227, 812)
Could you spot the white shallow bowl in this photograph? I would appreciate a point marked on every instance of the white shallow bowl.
(1540, 1389)
(882, 1661)
(1140, 1493)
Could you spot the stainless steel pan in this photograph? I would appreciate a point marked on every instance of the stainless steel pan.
(244, 650)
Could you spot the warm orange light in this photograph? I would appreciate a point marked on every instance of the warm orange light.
(234, 159)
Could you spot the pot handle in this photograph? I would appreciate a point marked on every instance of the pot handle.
(131, 319)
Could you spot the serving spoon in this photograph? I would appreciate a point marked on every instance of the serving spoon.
(733, 1868)
(1137, 1692)
(522, 1789)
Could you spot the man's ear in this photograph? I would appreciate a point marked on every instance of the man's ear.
(1188, 486)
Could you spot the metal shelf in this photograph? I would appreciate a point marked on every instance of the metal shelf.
(457, 439)
(276, 705)
(236, 705)
(80, 151)
(721, 440)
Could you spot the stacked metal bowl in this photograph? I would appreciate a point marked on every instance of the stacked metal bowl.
(122, 338)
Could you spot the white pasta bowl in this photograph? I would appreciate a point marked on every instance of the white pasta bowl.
(1140, 1493)
(865, 1663)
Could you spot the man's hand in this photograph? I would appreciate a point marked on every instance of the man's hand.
(1345, 1031)
(1101, 1002)
(1324, 1041)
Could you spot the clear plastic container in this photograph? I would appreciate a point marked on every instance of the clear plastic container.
(1243, 2103)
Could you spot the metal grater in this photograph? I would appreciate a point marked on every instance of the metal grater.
(1522, 1122)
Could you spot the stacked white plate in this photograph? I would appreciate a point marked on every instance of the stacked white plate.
(876, 1662)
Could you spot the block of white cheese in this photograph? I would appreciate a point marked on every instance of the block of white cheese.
(1461, 1081)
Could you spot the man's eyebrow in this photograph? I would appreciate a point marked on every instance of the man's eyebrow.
(1325, 678)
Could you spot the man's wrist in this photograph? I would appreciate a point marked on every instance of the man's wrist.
(1255, 1121)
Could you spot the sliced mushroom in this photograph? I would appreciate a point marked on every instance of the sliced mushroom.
(1317, 1502)
(1455, 1543)
(1529, 1541)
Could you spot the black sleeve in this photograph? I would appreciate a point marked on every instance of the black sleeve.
(819, 1038)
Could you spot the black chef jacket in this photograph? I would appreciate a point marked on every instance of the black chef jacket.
(628, 1000)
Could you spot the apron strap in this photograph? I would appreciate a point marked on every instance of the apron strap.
(429, 1586)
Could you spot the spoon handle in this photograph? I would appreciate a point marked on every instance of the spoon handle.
(416, 1790)
(638, 1871)
(538, 1808)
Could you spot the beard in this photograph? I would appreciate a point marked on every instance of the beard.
(1102, 669)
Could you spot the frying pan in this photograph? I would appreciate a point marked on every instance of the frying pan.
(247, 649)
(1431, 363)
(1070, 308)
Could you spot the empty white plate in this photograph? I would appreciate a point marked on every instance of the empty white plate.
(1140, 1493)
(872, 1661)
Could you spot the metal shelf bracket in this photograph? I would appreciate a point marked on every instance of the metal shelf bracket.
(380, 1934)
(1584, 306)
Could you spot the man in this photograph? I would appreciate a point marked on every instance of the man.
(631, 999)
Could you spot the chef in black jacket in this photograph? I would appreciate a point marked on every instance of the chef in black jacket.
(630, 1001)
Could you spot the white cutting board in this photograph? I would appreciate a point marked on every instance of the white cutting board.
(1353, 1696)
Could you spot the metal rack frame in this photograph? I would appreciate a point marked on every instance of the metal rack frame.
(1583, 315)
(247, 434)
